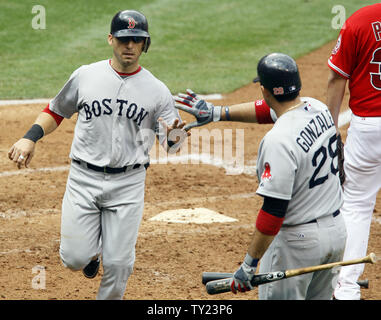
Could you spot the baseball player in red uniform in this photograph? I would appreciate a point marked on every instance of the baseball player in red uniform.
(356, 59)
(118, 103)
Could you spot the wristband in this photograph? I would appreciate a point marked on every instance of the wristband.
(250, 261)
(217, 113)
(264, 113)
(35, 133)
(227, 115)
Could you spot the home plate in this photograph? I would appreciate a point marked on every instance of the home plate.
(195, 215)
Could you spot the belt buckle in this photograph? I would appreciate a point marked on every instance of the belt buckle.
(104, 169)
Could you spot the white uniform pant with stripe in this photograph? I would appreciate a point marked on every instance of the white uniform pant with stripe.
(303, 246)
(362, 165)
(101, 214)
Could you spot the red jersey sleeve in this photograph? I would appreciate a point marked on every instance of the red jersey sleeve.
(357, 57)
(343, 54)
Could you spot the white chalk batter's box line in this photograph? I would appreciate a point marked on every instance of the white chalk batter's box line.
(31, 171)
(11, 214)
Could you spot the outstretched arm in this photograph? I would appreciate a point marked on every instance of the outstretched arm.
(206, 112)
(23, 150)
(254, 112)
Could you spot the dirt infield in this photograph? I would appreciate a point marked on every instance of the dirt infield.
(170, 256)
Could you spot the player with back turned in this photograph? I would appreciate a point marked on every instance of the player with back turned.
(118, 103)
(356, 60)
(299, 223)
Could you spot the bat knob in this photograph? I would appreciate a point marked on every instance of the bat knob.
(372, 257)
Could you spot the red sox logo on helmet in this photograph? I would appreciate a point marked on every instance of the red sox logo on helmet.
(131, 23)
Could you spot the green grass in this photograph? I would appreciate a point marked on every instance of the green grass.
(207, 45)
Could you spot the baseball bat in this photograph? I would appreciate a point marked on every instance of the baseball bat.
(223, 285)
(211, 276)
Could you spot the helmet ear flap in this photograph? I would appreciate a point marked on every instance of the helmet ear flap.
(147, 43)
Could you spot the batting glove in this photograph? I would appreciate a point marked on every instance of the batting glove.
(204, 112)
(241, 280)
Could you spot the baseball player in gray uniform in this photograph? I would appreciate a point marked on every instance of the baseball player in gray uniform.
(119, 103)
(299, 223)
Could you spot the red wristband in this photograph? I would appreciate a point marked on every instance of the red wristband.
(262, 112)
(268, 224)
(56, 116)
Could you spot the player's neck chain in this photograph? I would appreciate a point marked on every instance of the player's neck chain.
(294, 107)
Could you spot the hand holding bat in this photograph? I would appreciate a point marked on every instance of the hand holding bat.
(211, 276)
(223, 285)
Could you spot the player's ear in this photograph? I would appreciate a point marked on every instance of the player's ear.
(109, 39)
(264, 91)
(266, 95)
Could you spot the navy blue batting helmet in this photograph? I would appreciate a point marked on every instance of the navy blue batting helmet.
(279, 73)
(131, 23)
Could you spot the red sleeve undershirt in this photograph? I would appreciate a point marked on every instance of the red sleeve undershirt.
(56, 116)
(262, 111)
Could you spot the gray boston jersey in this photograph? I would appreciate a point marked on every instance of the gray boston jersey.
(117, 116)
(297, 161)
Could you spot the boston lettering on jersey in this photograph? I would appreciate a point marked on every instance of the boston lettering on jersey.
(99, 108)
(314, 129)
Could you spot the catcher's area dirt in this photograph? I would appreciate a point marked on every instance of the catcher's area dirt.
(170, 257)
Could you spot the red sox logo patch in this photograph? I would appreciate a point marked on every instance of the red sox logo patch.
(131, 23)
(266, 175)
